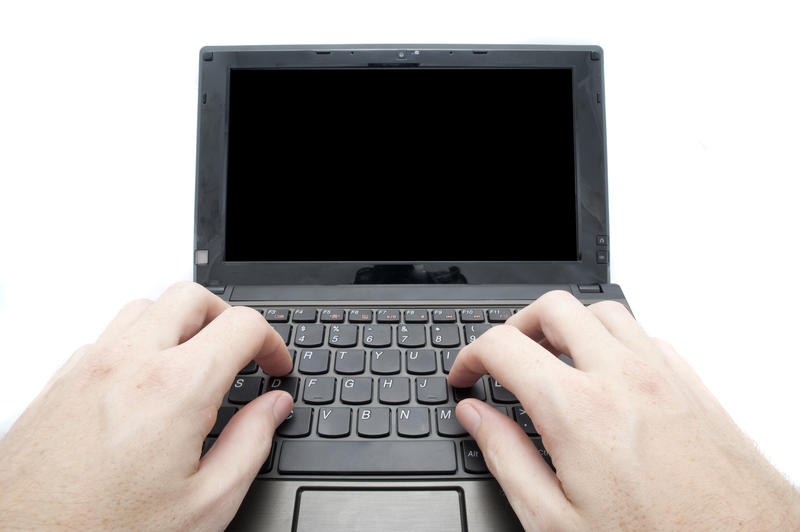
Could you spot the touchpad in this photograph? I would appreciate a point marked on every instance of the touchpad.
(345, 510)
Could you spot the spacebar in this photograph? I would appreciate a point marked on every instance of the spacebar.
(367, 457)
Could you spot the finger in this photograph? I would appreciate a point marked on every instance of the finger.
(229, 342)
(569, 327)
(532, 489)
(519, 364)
(622, 325)
(123, 320)
(229, 467)
(182, 310)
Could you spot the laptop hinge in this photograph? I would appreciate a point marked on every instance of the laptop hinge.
(590, 288)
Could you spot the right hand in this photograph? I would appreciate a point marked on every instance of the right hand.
(637, 440)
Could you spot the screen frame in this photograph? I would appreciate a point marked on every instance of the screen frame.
(211, 268)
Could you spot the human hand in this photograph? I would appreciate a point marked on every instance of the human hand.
(637, 440)
(114, 439)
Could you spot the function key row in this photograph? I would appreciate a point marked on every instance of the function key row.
(329, 315)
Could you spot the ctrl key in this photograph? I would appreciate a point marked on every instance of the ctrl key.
(473, 457)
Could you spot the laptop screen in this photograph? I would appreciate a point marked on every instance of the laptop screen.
(401, 165)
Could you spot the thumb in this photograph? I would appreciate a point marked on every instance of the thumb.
(230, 466)
(529, 484)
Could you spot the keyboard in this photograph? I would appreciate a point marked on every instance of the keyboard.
(370, 393)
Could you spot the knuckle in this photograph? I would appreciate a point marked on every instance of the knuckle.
(556, 311)
(663, 345)
(556, 297)
(245, 315)
(609, 307)
(97, 363)
(493, 338)
(162, 374)
(500, 332)
(187, 287)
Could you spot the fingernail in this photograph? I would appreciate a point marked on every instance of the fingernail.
(470, 419)
(282, 407)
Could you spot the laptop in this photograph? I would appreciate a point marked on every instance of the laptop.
(382, 206)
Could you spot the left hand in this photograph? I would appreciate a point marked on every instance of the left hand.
(114, 439)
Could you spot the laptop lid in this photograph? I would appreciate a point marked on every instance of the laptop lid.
(334, 165)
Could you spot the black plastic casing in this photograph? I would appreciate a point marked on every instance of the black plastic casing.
(586, 63)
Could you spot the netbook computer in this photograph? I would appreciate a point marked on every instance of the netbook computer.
(383, 206)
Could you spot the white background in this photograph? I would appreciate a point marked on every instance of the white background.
(97, 161)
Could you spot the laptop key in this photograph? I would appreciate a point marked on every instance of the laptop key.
(331, 315)
(416, 316)
(394, 390)
(476, 391)
(367, 457)
(501, 394)
(385, 362)
(411, 335)
(314, 361)
(267, 465)
(504, 410)
(445, 336)
(471, 315)
(388, 316)
(319, 390)
(349, 362)
(377, 335)
(287, 384)
(473, 457)
(224, 414)
(207, 443)
(447, 424)
(245, 389)
(443, 315)
(448, 358)
(360, 316)
(356, 390)
(374, 422)
(524, 420)
(343, 335)
(498, 315)
(421, 362)
(413, 422)
(472, 332)
(537, 442)
(298, 423)
(431, 390)
(333, 422)
(249, 369)
(309, 335)
(284, 330)
(305, 315)
(276, 315)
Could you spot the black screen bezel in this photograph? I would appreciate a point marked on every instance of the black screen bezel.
(590, 160)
